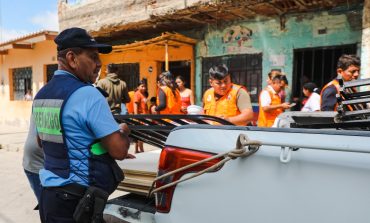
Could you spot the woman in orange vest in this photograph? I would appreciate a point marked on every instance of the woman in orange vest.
(168, 96)
(130, 105)
(140, 107)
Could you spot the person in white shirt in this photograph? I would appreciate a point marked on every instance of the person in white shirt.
(311, 91)
(270, 105)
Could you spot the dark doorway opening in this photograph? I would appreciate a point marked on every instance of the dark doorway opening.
(246, 70)
(50, 69)
(317, 65)
(129, 73)
(179, 68)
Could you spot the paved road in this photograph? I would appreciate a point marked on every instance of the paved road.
(17, 200)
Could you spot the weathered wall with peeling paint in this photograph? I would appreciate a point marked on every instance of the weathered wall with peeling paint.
(365, 46)
(266, 36)
(94, 15)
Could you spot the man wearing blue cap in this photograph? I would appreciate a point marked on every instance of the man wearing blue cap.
(78, 134)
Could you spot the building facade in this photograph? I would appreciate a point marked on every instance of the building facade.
(26, 64)
(303, 39)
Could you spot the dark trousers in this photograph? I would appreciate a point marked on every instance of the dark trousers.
(57, 206)
(34, 180)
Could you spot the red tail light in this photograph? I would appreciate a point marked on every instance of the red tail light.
(172, 159)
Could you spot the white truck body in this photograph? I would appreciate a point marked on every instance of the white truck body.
(326, 180)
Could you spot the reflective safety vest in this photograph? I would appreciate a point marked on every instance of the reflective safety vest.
(335, 83)
(225, 106)
(130, 105)
(173, 101)
(267, 118)
(47, 110)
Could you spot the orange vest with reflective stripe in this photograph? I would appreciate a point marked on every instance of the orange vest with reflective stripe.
(336, 85)
(130, 105)
(266, 119)
(225, 106)
(335, 82)
(173, 102)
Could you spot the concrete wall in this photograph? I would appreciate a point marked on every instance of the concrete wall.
(266, 36)
(17, 113)
(94, 15)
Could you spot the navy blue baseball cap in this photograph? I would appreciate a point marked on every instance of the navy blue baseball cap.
(77, 37)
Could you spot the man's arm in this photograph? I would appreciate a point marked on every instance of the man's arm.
(162, 100)
(265, 101)
(117, 145)
(329, 99)
(245, 107)
(100, 121)
(268, 108)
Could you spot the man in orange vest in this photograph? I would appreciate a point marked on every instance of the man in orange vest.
(270, 105)
(348, 69)
(225, 99)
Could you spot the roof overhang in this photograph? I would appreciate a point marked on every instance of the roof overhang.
(27, 42)
(171, 39)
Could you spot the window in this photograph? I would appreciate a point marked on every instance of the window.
(22, 81)
(129, 73)
(246, 70)
(317, 65)
(177, 68)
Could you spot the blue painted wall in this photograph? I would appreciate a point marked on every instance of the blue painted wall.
(276, 43)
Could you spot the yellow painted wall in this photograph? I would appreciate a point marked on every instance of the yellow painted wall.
(16, 114)
(151, 55)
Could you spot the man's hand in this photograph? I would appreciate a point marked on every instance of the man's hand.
(124, 129)
(130, 156)
(285, 105)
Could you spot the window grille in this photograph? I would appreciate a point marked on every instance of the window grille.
(22, 81)
(246, 70)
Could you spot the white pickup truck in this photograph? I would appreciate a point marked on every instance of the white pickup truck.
(297, 175)
(290, 175)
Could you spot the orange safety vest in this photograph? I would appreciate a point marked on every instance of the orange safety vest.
(266, 119)
(130, 105)
(336, 85)
(173, 102)
(225, 106)
(334, 82)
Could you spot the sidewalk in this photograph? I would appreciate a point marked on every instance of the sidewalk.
(17, 199)
(12, 139)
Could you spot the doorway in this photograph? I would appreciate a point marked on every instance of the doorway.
(129, 73)
(179, 68)
(50, 69)
(316, 65)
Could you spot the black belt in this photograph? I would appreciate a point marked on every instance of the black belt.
(73, 189)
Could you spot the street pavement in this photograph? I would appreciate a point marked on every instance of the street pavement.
(17, 199)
